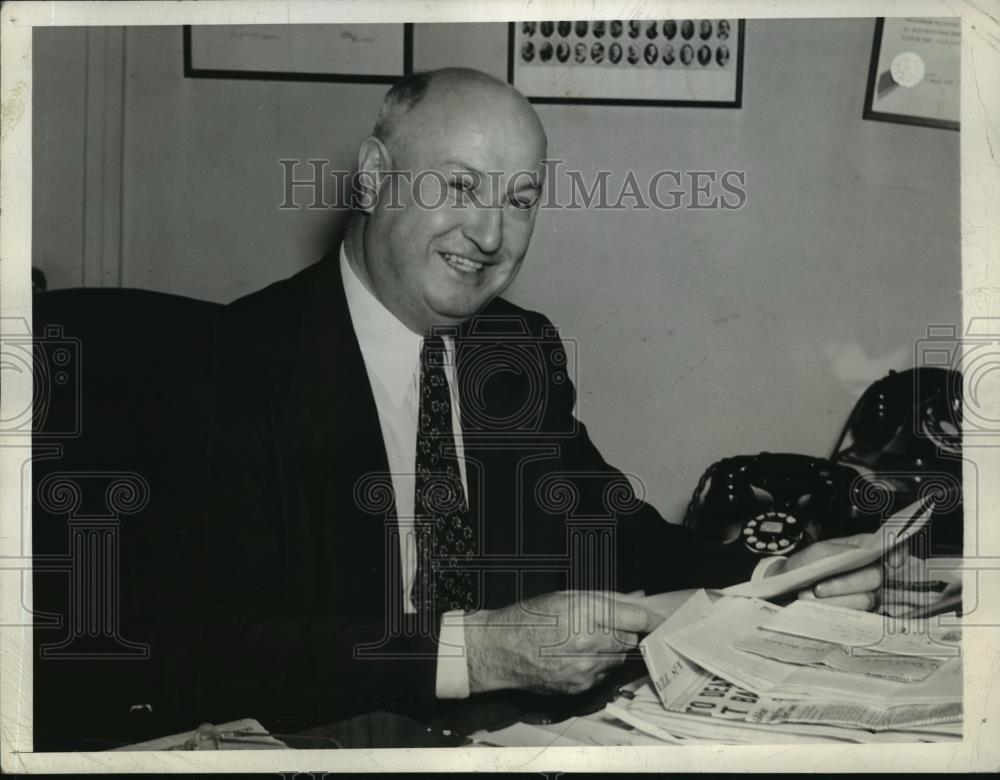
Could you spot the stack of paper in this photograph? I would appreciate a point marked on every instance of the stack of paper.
(711, 714)
(743, 670)
(731, 667)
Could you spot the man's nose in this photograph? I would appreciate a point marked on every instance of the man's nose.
(485, 228)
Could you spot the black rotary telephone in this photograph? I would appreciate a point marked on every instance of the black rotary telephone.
(771, 503)
(904, 439)
(902, 442)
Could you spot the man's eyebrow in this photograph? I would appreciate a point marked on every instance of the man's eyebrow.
(524, 183)
(465, 165)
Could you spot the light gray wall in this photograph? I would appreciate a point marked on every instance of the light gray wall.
(58, 112)
(699, 334)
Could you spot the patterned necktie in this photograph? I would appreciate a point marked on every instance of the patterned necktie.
(445, 537)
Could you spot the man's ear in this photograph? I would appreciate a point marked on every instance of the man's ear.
(373, 163)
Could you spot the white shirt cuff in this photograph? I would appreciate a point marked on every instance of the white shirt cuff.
(452, 668)
(761, 569)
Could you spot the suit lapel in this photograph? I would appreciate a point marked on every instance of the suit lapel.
(345, 452)
(486, 390)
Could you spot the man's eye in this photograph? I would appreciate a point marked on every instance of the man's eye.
(524, 203)
(463, 185)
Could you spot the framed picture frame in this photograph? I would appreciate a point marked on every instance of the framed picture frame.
(363, 53)
(695, 63)
(914, 73)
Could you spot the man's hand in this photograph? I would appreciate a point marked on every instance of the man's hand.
(864, 588)
(911, 583)
(564, 642)
(858, 589)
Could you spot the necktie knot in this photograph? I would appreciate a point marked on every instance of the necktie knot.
(433, 355)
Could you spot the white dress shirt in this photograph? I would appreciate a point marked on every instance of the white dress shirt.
(391, 352)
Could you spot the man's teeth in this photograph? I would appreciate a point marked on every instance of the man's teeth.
(462, 263)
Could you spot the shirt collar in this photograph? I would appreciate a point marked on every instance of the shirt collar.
(390, 349)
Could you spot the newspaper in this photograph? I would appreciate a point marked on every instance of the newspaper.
(855, 715)
(708, 714)
(801, 651)
(867, 633)
(710, 695)
(702, 661)
(671, 672)
(712, 643)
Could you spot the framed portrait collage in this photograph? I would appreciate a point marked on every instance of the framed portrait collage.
(665, 62)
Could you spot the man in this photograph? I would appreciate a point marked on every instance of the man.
(402, 506)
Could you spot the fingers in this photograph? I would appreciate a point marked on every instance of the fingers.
(890, 602)
(895, 610)
(606, 663)
(611, 610)
(607, 595)
(867, 579)
(625, 640)
(854, 540)
(903, 567)
(623, 616)
(855, 590)
(865, 602)
(897, 557)
(609, 661)
(607, 648)
(909, 598)
(583, 677)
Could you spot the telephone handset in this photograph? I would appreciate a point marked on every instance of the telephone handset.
(917, 411)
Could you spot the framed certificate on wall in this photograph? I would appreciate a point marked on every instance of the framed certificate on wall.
(363, 53)
(656, 62)
(915, 70)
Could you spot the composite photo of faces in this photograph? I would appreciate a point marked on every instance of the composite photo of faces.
(684, 43)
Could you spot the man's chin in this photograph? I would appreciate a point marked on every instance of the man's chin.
(452, 318)
(456, 314)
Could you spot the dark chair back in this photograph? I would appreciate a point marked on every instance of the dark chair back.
(121, 381)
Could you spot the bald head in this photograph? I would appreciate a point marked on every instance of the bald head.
(453, 176)
(433, 95)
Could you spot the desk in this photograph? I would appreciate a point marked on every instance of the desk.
(451, 728)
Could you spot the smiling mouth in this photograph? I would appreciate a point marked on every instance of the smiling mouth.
(462, 264)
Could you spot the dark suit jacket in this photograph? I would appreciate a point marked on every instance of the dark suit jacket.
(303, 607)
